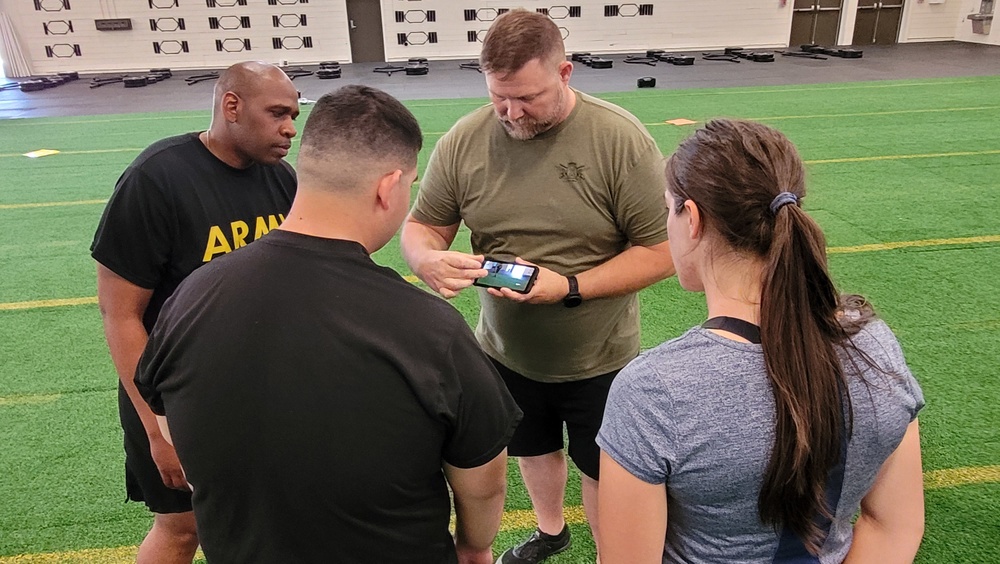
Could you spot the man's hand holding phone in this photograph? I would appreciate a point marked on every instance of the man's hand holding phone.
(547, 286)
(449, 272)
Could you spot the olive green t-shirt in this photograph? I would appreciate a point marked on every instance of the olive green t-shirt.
(569, 199)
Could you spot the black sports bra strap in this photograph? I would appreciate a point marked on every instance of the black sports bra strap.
(744, 329)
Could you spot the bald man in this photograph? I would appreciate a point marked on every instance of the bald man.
(183, 202)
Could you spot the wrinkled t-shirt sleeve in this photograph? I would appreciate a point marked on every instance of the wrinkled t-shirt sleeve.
(133, 239)
(910, 388)
(437, 201)
(635, 431)
(640, 205)
(484, 415)
(149, 372)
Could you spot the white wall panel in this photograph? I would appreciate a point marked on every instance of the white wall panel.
(929, 21)
(60, 35)
(661, 24)
(848, 17)
(964, 30)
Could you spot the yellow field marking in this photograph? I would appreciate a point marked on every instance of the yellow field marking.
(516, 520)
(413, 279)
(477, 102)
(35, 122)
(809, 162)
(977, 324)
(902, 157)
(862, 114)
(120, 555)
(51, 204)
(98, 151)
(9, 306)
(101, 151)
(905, 244)
(953, 477)
(933, 480)
(29, 399)
(519, 520)
(83, 152)
(885, 113)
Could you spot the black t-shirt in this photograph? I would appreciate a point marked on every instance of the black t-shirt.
(177, 206)
(312, 396)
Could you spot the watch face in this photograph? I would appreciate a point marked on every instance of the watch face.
(572, 300)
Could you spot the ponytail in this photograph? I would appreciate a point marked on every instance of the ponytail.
(799, 334)
(747, 180)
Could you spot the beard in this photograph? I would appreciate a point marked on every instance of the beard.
(527, 128)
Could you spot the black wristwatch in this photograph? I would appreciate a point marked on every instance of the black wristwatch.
(573, 298)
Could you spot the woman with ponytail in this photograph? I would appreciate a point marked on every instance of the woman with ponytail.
(759, 435)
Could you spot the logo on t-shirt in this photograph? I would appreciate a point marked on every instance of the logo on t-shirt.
(571, 172)
(219, 244)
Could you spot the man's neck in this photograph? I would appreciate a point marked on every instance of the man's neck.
(222, 150)
(326, 218)
(570, 103)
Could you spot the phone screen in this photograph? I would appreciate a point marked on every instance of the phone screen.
(517, 277)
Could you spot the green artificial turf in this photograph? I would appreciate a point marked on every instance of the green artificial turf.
(60, 444)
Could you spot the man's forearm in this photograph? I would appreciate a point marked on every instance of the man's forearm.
(628, 272)
(126, 341)
(479, 495)
(477, 520)
(417, 238)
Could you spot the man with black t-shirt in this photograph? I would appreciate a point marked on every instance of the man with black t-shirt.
(183, 202)
(320, 404)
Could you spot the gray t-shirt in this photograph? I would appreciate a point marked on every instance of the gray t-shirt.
(697, 414)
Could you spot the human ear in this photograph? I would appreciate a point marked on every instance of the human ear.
(231, 104)
(695, 225)
(565, 71)
(388, 183)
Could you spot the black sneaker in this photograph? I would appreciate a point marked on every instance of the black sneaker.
(538, 547)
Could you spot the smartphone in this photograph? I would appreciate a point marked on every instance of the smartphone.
(518, 277)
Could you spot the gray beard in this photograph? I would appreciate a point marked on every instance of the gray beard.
(531, 129)
(525, 131)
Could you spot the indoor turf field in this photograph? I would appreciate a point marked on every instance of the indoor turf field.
(903, 176)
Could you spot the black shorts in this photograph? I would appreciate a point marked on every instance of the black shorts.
(142, 478)
(546, 406)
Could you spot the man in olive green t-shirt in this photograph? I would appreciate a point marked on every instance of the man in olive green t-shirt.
(553, 177)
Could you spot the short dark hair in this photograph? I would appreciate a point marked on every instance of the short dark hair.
(361, 122)
(517, 37)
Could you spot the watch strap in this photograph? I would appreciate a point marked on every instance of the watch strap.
(573, 298)
(574, 286)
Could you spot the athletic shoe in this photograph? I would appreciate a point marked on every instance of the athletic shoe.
(538, 547)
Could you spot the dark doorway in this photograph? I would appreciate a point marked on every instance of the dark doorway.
(815, 21)
(877, 22)
(364, 20)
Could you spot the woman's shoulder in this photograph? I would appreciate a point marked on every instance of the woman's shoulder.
(877, 341)
(886, 366)
(689, 357)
